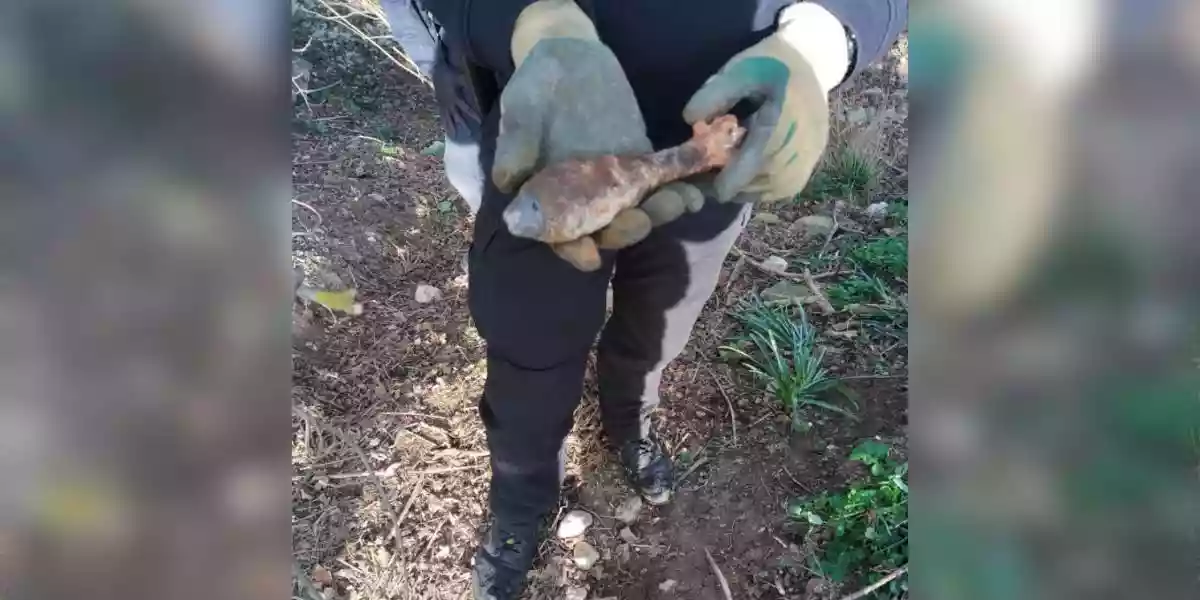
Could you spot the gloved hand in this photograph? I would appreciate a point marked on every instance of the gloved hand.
(789, 129)
(569, 98)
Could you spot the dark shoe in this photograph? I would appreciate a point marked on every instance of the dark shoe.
(648, 469)
(502, 561)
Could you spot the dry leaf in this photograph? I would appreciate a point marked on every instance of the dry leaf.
(322, 576)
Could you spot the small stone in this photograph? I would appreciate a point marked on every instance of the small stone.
(767, 218)
(629, 509)
(790, 291)
(812, 226)
(427, 293)
(667, 586)
(814, 588)
(877, 210)
(576, 593)
(775, 264)
(627, 536)
(574, 524)
(585, 555)
(322, 576)
(857, 116)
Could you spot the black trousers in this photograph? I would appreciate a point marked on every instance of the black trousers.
(540, 318)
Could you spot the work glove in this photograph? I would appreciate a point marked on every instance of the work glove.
(569, 98)
(789, 128)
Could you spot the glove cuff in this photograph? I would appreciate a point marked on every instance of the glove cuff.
(549, 19)
(820, 38)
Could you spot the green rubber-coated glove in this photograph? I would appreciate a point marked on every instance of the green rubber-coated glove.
(786, 134)
(569, 98)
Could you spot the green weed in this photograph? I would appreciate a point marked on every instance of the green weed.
(882, 256)
(845, 174)
(859, 289)
(865, 527)
(781, 352)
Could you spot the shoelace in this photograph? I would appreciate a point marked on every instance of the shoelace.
(647, 450)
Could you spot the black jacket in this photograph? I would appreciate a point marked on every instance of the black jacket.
(668, 48)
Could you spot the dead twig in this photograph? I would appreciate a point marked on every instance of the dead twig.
(735, 271)
(797, 481)
(832, 230)
(878, 584)
(436, 531)
(728, 403)
(309, 207)
(441, 470)
(720, 576)
(412, 498)
(822, 301)
(765, 269)
(695, 465)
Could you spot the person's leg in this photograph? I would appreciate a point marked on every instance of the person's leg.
(659, 288)
(539, 317)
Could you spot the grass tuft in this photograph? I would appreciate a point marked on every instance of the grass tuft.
(781, 352)
(844, 175)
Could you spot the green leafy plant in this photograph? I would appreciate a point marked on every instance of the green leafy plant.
(859, 289)
(781, 352)
(865, 527)
(883, 256)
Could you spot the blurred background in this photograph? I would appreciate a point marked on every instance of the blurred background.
(1055, 436)
(145, 293)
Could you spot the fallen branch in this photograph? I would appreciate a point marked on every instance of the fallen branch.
(743, 257)
(878, 584)
(822, 301)
(720, 576)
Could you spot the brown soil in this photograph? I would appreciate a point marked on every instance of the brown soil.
(386, 431)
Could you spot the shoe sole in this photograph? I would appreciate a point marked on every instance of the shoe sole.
(658, 499)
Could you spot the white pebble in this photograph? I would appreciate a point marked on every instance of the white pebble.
(574, 524)
(586, 556)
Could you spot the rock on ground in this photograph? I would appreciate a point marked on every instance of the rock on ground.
(629, 510)
(812, 226)
(585, 555)
(574, 524)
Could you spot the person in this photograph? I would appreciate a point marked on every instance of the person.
(525, 83)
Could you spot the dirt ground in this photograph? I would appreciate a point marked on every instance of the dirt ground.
(390, 461)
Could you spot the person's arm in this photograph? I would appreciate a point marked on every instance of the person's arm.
(483, 28)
